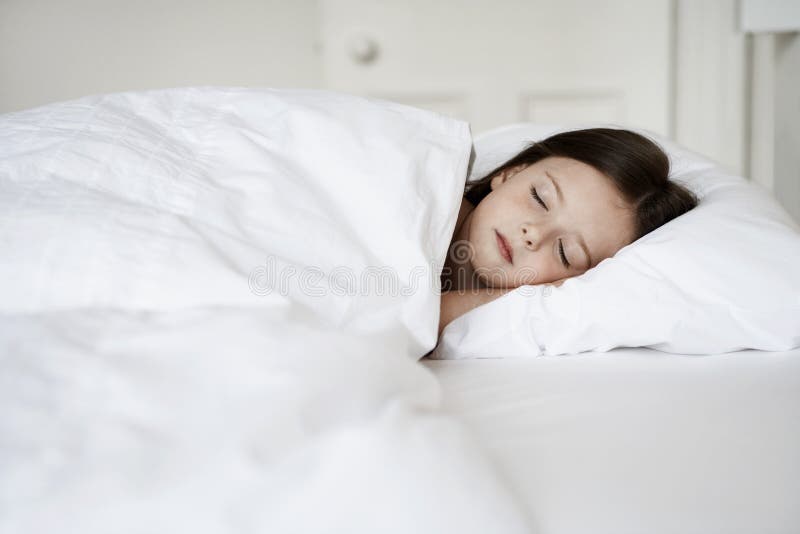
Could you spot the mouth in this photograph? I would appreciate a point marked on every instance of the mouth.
(504, 247)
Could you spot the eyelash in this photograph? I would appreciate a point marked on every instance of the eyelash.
(560, 243)
(538, 198)
(561, 251)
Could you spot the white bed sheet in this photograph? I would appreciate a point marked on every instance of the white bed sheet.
(636, 440)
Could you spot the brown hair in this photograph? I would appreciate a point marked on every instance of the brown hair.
(637, 166)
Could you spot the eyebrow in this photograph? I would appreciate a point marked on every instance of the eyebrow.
(581, 242)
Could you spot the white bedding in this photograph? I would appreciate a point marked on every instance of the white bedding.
(219, 420)
(157, 377)
(635, 440)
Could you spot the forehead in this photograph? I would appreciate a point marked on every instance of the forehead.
(582, 180)
(578, 174)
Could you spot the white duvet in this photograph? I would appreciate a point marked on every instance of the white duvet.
(211, 306)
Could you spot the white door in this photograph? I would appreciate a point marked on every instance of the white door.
(494, 62)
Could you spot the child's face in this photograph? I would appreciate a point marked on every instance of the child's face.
(517, 241)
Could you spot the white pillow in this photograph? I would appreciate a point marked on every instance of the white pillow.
(720, 278)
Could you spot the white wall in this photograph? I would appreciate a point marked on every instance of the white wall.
(53, 50)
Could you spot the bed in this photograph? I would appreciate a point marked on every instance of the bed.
(598, 434)
(636, 440)
(215, 300)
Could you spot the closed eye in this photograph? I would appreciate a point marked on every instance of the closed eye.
(563, 256)
(538, 198)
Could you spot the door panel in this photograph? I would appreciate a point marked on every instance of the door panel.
(501, 61)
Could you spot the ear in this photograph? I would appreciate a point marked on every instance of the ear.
(505, 174)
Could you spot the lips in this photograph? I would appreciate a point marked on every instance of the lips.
(504, 247)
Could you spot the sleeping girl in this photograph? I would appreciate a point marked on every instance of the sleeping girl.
(554, 211)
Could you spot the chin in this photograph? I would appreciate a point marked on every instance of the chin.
(498, 281)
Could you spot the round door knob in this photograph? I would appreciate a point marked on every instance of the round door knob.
(363, 49)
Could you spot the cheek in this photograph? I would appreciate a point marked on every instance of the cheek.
(529, 271)
(480, 244)
(540, 269)
(484, 253)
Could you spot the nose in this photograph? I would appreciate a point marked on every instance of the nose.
(534, 235)
(530, 237)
